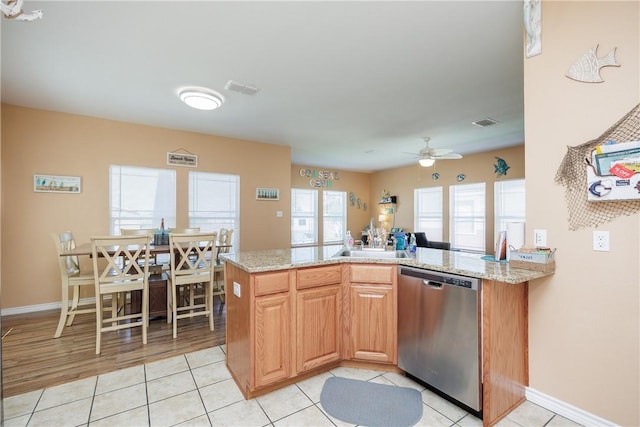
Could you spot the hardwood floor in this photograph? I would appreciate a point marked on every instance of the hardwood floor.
(32, 359)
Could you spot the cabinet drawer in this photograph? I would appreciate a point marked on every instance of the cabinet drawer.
(372, 273)
(319, 276)
(271, 283)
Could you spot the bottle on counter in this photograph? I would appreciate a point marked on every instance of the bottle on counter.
(157, 237)
(412, 243)
(348, 240)
(164, 234)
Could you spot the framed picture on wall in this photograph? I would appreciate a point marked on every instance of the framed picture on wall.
(267, 194)
(56, 184)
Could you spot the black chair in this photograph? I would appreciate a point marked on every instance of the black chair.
(421, 239)
(439, 245)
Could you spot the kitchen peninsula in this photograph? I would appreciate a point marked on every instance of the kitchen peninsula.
(292, 313)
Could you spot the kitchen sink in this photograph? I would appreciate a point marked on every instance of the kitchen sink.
(376, 254)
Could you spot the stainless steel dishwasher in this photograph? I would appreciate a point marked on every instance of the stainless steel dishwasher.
(439, 332)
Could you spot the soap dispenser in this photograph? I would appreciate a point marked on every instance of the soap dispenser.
(348, 240)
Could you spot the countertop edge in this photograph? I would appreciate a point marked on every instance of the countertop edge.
(510, 275)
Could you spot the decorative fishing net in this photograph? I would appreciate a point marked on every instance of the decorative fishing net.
(572, 173)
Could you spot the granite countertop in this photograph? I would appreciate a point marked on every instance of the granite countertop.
(433, 259)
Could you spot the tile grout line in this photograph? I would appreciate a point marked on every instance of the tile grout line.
(204, 406)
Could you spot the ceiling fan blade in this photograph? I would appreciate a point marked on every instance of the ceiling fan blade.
(448, 156)
(440, 151)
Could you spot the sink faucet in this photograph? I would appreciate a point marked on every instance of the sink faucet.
(377, 238)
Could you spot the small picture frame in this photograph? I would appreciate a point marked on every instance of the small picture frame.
(267, 193)
(57, 184)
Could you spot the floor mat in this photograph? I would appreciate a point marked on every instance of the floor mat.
(370, 404)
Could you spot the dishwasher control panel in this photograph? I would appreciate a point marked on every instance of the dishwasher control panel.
(457, 281)
(441, 277)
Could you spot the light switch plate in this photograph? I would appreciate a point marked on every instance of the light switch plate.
(540, 238)
(601, 241)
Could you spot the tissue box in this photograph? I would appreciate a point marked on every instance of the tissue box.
(533, 259)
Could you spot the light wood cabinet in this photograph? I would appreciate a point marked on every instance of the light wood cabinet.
(271, 327)
(272, 339)
(318, 327)
(318, 317)
(372, 313)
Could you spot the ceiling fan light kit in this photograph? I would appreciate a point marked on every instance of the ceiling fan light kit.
(426, 162)
(200, 98)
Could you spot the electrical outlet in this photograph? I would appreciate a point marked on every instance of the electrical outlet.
(601, 241)
(540, 238)
(236, 289)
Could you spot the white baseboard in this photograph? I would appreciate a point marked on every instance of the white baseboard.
(42, 307)
(565, 409)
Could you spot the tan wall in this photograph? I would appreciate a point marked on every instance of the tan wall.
(358, 213)
(583, 321)
(476, 167)
(36, 141)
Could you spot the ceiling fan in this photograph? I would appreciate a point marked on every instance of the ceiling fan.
(427, 156)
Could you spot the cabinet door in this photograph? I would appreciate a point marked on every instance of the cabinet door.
(272, 339)
(373, 323)
(318, 327)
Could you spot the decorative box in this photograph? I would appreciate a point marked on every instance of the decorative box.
(533, 259)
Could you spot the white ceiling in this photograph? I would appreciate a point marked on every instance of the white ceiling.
(347, 85)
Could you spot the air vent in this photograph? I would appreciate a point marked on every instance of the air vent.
(239, 87)
(485, 122)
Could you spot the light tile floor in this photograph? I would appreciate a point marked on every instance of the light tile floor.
(196, 389)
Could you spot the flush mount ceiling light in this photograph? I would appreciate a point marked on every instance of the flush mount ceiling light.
(426, 162)
(200, 98)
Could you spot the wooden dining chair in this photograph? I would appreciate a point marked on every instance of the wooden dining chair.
(144, 232)
(192, 258)
(224, 246)
(72, 279)
(112, 276)
(189, 230)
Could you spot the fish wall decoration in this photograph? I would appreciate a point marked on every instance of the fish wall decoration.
(501, 167)
(587, 68)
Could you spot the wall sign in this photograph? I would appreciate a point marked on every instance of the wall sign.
(182, 159)
(319, 178)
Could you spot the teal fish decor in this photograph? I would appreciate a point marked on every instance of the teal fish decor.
(501, 167)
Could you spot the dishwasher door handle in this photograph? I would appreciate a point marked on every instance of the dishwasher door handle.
(432, 284)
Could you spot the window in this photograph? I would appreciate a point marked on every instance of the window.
(467, 217)
(141, 197)
(334, 216)
(214, 203)
(304, 217)
(509, 199)
(427, 216)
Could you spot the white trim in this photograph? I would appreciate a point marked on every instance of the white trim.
(565, 409)
(42, 307)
